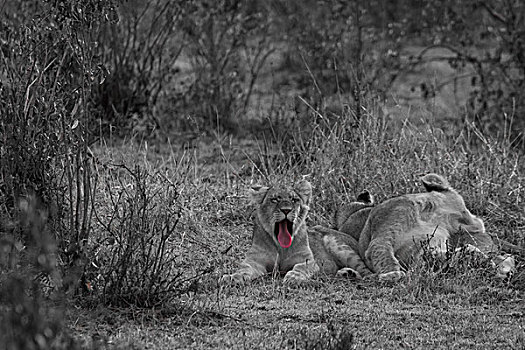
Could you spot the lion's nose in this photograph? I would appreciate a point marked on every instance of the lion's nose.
(286, 211)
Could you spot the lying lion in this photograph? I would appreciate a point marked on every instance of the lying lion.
(369, 239)
(393, 233)
(281, 242)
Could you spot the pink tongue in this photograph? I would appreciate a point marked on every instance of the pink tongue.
(284, 237)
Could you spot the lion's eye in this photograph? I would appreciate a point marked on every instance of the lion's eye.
(274, 199)
(295, 199)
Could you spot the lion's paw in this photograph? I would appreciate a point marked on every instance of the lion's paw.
(505, 265)
(294, 277)
(392, 276)
(469, 248)
(347, 272)
(233, 279)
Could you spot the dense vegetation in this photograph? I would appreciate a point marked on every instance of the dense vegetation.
(129, 132)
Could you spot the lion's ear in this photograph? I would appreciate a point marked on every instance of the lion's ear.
(366, 197)
(304, 190)
(434, 182)
(257, 194)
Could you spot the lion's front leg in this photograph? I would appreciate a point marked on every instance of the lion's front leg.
(249, 270)
(301, 272)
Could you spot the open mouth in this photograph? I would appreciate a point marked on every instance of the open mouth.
(283, 230)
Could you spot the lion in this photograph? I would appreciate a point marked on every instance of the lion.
(280, 238)
(281, 241)
(390, 235)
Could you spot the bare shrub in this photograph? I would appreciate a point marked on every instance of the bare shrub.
(133, 253)
(484, 41)
(228, 44)
(49, 67)
(339, 53)
(139, 52)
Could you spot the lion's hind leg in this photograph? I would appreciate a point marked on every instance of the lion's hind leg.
(343, 249)
(380, 255)
(482, 244)
(505, 264)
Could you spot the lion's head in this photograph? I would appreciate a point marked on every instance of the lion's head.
(282, 209)
(449, 205)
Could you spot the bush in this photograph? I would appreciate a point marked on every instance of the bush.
(485, 43)
(28, 320)
(139, 52)
(132, 250)
(339, 53)
(227, 43)
(52, 70)
(50, 66)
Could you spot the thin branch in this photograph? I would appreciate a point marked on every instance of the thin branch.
(493, 13)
